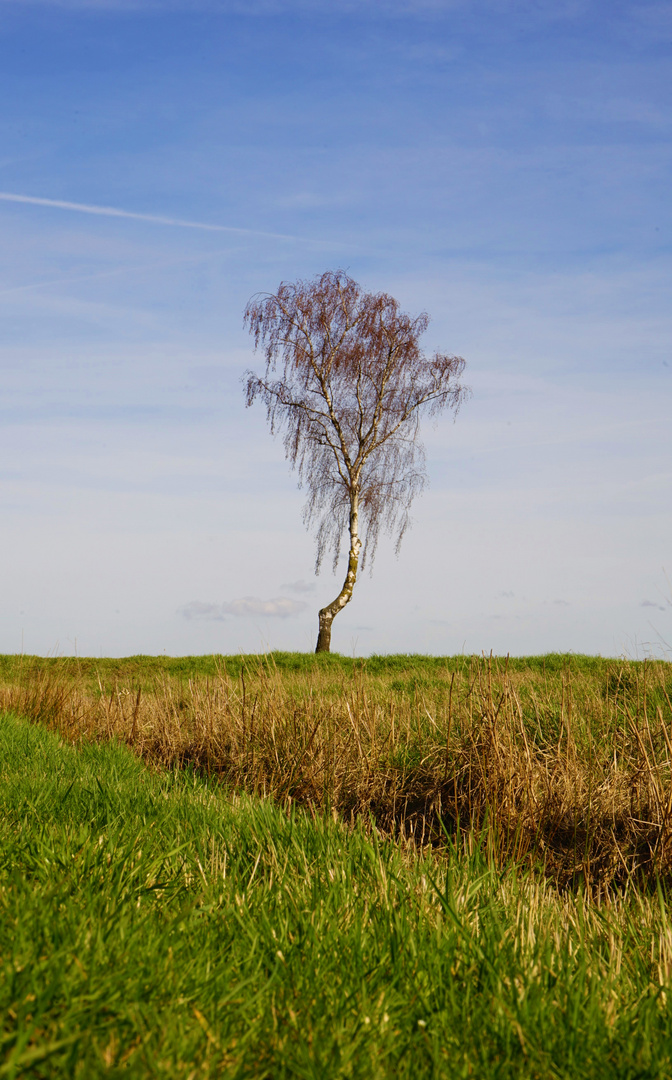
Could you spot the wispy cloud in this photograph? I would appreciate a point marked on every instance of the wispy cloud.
(301, 587)
(280, 607)
(654, 14)
(251, 7)
(117, 271)
(155, 219)
(196, 609)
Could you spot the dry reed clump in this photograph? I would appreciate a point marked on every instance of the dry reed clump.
(573, 772)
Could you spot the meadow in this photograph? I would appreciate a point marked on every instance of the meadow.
(299, 866)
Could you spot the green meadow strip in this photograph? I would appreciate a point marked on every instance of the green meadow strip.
(152, 924)
(561, 761)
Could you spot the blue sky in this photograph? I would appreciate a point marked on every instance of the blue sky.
(503, 165)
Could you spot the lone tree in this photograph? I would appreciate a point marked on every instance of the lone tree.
(346, 381)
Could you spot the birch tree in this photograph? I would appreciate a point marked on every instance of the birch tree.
(346, 383)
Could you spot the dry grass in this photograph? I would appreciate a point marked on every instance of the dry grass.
(566, 765)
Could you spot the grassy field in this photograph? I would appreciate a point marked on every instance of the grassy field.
(560, 762)
(155, 924)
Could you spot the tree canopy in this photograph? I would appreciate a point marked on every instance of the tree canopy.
(346, 383)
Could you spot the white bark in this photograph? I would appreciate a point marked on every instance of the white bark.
(327, 614)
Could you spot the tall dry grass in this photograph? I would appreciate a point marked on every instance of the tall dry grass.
(570, 769)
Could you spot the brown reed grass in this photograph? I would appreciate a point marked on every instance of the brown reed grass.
(570, 770)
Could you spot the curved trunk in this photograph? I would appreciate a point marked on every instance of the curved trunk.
(328, 614)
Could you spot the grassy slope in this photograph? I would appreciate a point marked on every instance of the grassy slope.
(408, 666)
(151, 926)
(567, 758)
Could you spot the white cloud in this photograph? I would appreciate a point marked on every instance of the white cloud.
(300, 587)
(280, 607)
(198, 610)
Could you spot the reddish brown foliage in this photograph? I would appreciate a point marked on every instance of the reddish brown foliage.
(348, 395)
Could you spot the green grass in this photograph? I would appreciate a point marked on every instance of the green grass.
(153, 925)
(567, 759)
(428, 670)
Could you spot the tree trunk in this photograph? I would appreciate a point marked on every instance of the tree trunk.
(324, 632)
(328, 614)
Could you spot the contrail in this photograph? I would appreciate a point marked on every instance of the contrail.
(111, 211)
